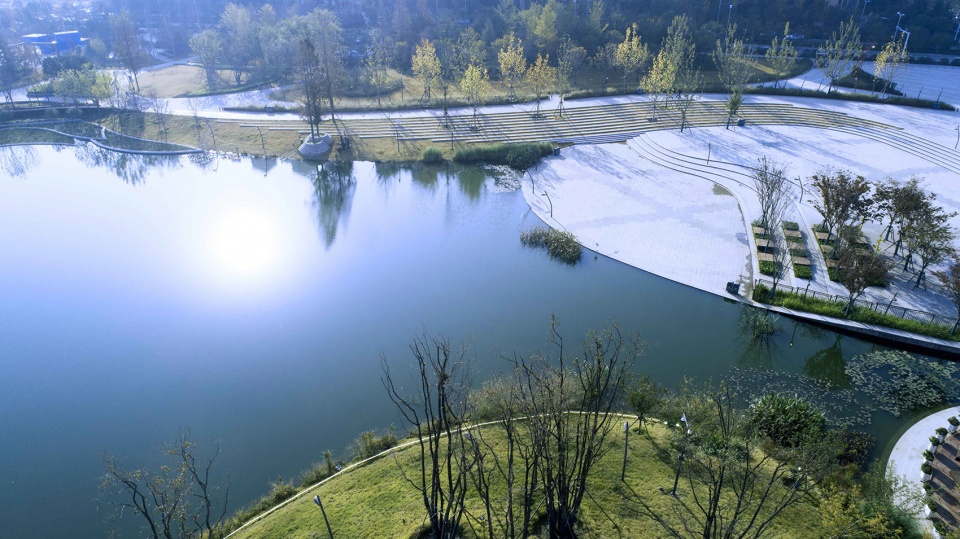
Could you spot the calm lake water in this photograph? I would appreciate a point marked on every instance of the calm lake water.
(251, 301)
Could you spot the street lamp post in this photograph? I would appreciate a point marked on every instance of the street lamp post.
(626, 436)
(899, 18)
(683, 452)
(316, 500)
(398, 124)
(727, 30)
(865, 2)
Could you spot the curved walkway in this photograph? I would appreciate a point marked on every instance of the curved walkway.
(653, 203)
(907, 455)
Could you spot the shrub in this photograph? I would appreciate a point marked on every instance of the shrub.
(934, 440)
(790, 225)
(926, 467)
(561, 246)
(788, 421)
(941, 431)
(953, 420)
(369, 443)
(927, 455)
(802, 271)
(767, 267)
(432, 155)
(800, 252)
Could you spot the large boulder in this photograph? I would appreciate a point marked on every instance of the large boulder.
(316, 147)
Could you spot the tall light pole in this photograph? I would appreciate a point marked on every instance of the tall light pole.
(683, 451)
(957, 33)
(899, 18)
(726, 31)
(316, 500)
(865, 2)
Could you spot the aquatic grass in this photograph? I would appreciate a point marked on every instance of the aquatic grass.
(899, 382)
(519, 156)
(561, 245)
(432, 155)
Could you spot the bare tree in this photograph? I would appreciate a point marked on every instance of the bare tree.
(180, 501)
(160, 108)
(436, 414)
(950, 285)
(568, 403)
(773, 191)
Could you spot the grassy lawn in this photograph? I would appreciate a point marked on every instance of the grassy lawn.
(178, 80)
(375, 500)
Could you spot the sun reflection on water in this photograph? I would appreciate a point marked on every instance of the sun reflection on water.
(243, 240)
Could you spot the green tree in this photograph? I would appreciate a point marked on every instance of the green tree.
(126, 45)
(889, 62)
(14, 67)
(513, 65)
(838, 54)
(950, 285)
(781, 55)
(376, 63)
(426, 67)
(858, 271)
(842, 200)
(631, 53)
(734, 66)
(646, 397)
(474, 86)
(931, 238)
(539, 77)
(240, 44)
(659, 80)
(208, 47)
(469, 50)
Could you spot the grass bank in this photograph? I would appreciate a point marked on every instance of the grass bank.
(375, 500)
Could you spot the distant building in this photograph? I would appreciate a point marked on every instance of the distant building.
(59, 42)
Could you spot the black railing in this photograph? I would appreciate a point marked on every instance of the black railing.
(882, 308)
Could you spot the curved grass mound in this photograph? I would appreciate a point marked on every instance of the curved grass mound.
(561, 245)
(67, 131)
(374, 500)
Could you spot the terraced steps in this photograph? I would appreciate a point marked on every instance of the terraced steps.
(591, 124)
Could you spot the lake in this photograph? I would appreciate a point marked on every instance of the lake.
(250, 301)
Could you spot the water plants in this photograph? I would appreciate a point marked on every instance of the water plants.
(561, 245)
(900, 382)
